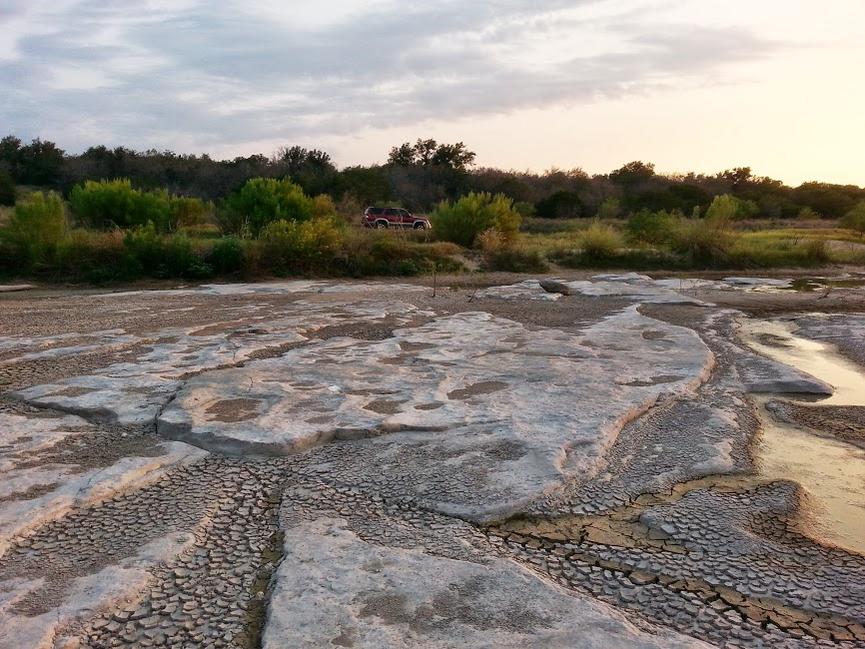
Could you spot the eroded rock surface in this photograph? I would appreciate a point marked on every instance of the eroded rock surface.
(553, 463)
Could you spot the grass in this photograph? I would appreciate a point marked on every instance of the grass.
(583, 243)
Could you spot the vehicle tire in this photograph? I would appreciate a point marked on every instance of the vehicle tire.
(381, 225)
(420, 225)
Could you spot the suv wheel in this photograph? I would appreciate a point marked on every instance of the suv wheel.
(420, 225)
(381, 225)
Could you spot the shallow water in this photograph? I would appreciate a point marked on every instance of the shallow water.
(832, 472)
(777, 341)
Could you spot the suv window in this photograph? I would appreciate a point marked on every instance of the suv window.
(375, 210)
(392, 211)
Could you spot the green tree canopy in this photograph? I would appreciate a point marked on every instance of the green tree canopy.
(264, 200)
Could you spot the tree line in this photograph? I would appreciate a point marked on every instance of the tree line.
(419, 176)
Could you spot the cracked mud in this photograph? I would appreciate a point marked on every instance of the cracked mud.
(606, 462)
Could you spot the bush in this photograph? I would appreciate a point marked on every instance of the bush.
(651, 227)
(600, 241)
(227, 255)
(704, 242)
(373, 252)
(729, 208)
(515, 259)
(501, 254)
(817, 252)
(188, 211)
(525, 209)
(115, 203)
(300, 246)
(323, 206)
(262, 201)
(201, 231)
(611, 208)
(152, 254)
(93, 256)
(144, 250)
(855, 219)
(7, 189)
(461, 222)
(36, 229)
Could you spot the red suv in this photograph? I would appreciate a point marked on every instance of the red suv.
(393, 217)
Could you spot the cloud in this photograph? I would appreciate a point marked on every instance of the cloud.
(196, 74)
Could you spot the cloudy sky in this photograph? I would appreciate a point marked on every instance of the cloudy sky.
(689, 84)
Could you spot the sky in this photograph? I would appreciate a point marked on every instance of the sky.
(691, 85)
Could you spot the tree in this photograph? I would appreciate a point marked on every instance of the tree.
(736, 179)
(429, 153)
(454, 156)
(39, 163)
(633, 173)
(855, 219)
(312, 169)
(829, 201)
(10, 148)
(7, 189)
(560, 205)
(402, 155)
(425, 151)
(367, 184)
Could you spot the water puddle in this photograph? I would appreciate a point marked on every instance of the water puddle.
(812, 284)
(777, 341)
(832, 472)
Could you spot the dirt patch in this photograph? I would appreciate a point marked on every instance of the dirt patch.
(33, 492)
(846, 423)
(384, 406)
(234, 410)
(477, 389)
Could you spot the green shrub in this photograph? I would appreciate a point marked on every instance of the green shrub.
(323, 206)
(600, 241)
(201, 231)
(855, 219)
(227, 255)
(611, 208)
(729, 208)
(461, 222)
(152, 254)
(373, 252)
(525, 209)
(7, 189)
(293, 246)
(706, 242)
(93, 256)
(262, 201)
(115, 203)
(651, 227)
(188, 211)
(36, 229)
(817, 252)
